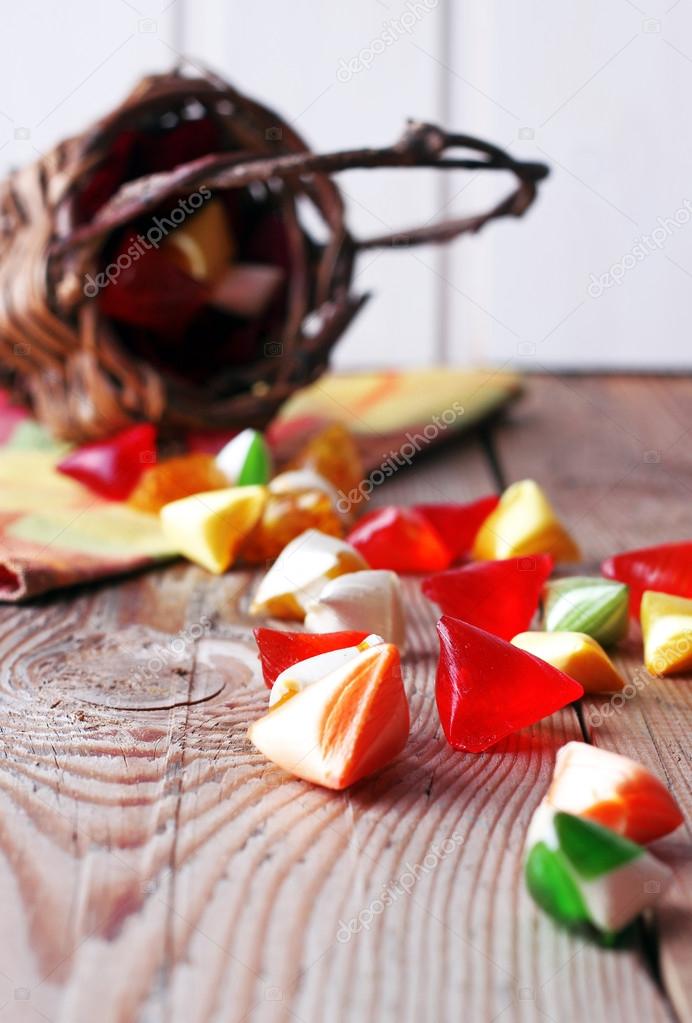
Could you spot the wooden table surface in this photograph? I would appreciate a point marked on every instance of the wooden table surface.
(156, 868)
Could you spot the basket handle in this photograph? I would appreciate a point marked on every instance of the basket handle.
(421, 145)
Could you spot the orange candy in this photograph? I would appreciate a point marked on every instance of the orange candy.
(285, 517)
(614, 791)
(343, 727)
(175, 478)
(333, 454)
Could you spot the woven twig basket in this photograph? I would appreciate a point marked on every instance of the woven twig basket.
(78, 369)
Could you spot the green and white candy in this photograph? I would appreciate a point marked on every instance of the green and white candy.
(587, 604)
(245, 460)
(582, 873)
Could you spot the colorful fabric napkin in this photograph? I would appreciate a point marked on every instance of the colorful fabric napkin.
(56, 533)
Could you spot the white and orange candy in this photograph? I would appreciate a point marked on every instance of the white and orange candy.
(614, 791)
(346, 725)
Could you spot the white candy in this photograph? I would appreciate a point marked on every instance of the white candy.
(363, 601)
(312, 669)
(301, 572)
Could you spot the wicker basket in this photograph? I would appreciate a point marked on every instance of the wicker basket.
(82, 373)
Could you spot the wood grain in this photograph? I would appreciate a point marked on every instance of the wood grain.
(155, 867)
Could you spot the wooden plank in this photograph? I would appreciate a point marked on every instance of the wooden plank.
(617, 450)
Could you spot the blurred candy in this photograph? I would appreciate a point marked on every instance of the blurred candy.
(524, 523)
(667, 631)
(286, 515)
(362, 600)
(202, 246)
(245, 460)
(112, 467)
(614, 791)
(294, 679)
(665, 569)
(577, 654)
(400, 539)
(297, 480)
(301, 571)
(587, 604)
(333, 454)
(209, 528)
(582, 873)
(498, 596)
(175, 478)
(279, 650)
(343, 727)
(458, 524)
(486, 688)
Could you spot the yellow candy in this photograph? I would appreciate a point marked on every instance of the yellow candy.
(578, 655)
(203, 245)
(209, 528)
(667, 631)
(524, 523)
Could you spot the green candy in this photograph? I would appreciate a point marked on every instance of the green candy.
(582, 873)
(587, 604)
(245, 461)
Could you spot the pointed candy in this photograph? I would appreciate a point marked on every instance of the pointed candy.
(286, 515)
(614, 791)
(486, 688)
(209, 528)
(667, 631)
(333, 454)
(362, 600)
(280, 650)
(294, 679)
(498, 596)
(347, 725)
(245, 460)
(399, 539)
(582, 873)
(203, 245)
(524, 522)
(458, 524)
(666, 569)
(582, 603)
(112, 467)
(577, 654)
(301, 571)
(175, 478)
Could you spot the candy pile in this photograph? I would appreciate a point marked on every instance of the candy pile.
(338, 709)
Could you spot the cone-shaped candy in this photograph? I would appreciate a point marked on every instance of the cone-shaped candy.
(279, 650)
(338, 730)
(524, 522)
(209, 528)
(578, 655)
(581, 603)
(667, 631)
(666, 569)
(400, 539)
(458, 524)
(362, 600)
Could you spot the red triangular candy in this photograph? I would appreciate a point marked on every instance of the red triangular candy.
(279, 650)
(486, 688)
(457, 524)
(666, 568)
(400, 539)
(112, 467)
(498, 596)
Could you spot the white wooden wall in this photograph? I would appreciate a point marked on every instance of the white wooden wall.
(597, 90)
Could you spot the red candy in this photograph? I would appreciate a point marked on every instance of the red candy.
(400, 539)
(280, 650)
(486, 688)
(498, 596)
(457, 524)
(666, 568)
(112, 467)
